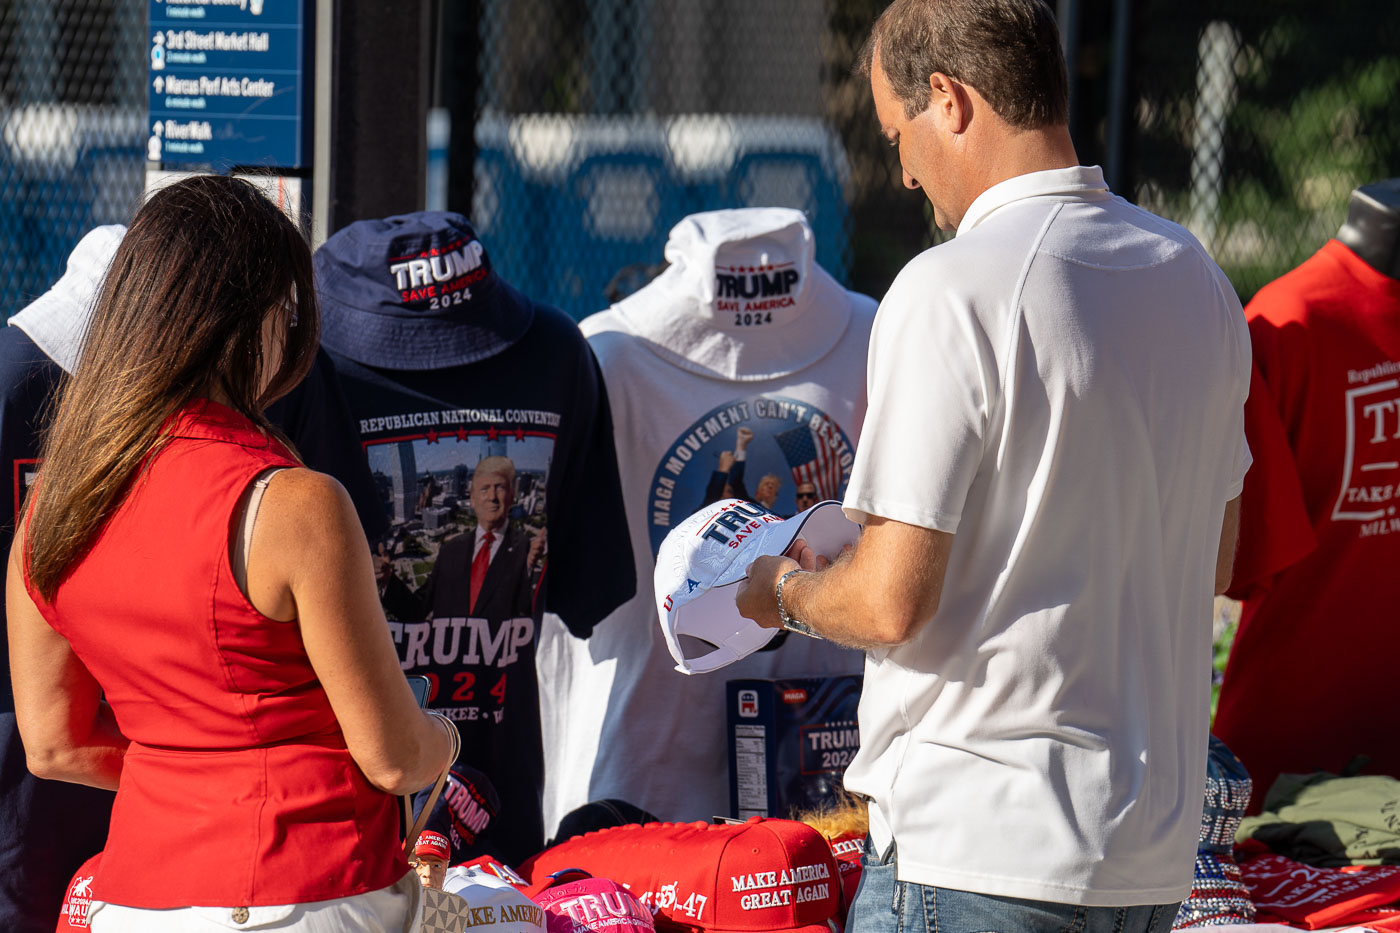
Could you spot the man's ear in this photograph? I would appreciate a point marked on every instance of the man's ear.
(950, 102)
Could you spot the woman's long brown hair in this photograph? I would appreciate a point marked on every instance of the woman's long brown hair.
(180, 315)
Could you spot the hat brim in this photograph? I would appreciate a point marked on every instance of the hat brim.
(388, 336)
(57, 321)
(713, 617)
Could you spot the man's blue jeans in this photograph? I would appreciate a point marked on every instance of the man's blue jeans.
(884, 905)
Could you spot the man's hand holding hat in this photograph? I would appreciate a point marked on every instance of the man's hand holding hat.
(757, 598)
(701, 567)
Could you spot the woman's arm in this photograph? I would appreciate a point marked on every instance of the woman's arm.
(69, 733)
(310, 562)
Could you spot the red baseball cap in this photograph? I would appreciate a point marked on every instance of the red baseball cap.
(431, 844)
(762, 876)
(501, 870)
(593, 905)
(847, 849)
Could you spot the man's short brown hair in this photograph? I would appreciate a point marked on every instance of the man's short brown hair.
(1008, 50)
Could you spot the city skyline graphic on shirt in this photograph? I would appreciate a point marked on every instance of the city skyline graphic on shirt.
(424, 486)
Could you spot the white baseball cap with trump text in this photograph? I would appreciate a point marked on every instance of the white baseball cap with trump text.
(702, 561)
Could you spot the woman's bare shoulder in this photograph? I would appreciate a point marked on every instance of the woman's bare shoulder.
(300, 506)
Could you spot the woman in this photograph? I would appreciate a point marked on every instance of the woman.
(222, 662)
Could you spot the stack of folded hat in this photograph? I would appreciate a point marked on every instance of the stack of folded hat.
(762, 876)
(1218, 892)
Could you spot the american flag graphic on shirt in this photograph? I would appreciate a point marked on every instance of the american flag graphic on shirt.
(811, 461)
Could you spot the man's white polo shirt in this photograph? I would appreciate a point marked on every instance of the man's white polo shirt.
(1062, 388)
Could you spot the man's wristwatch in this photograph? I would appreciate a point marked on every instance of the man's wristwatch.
(789, 623)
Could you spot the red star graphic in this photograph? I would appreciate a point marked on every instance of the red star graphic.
(461, 434)
(520, 434)
(491, 433)
(432, 437)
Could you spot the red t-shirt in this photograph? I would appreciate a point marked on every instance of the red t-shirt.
(1300, 895)
(1309, 681)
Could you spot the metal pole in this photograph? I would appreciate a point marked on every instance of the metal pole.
(1115, 167)
(1067, 14)
(460, 44)
(321, 125)
(1215, 99)
(379, 109)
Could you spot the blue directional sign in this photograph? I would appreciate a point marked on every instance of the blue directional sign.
(227, 83)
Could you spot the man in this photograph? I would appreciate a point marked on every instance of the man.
(769, 484)
(728, 481)
(1047, 475)
(805, 495)
(487, 574)
(766, 494)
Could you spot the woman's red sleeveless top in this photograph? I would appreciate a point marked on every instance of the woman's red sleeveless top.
(237, 789)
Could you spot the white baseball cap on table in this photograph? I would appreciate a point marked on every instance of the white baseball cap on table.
(703, 560)
(512, 911)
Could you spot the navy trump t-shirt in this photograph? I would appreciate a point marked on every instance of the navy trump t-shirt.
(518, 445)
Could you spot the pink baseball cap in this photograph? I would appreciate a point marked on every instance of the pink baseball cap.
(702, 561)
(593, 905)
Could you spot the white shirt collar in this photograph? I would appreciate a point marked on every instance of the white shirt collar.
(497, 537)
(1079, 181)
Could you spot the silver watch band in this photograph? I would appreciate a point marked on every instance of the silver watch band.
(789, 623)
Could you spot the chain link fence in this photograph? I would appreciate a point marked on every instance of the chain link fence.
(72, 110)
(1248, 122)
(599, 126)
(1254, 121)
(596, 126)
